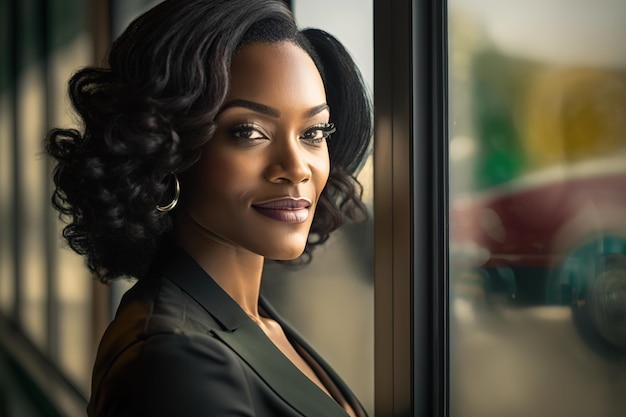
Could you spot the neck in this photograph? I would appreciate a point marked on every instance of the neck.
(235, 269)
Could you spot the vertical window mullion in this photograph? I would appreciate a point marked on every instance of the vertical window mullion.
(411, 208)
(430, 208)
(16, 191)
(392, 207)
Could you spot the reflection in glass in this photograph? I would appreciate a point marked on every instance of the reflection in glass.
(538, 202)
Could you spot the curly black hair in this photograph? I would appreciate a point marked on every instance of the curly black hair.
(150, 112)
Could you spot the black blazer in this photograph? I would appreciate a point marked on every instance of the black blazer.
(181, 346)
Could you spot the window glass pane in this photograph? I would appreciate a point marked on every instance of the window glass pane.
(537, 179)
(125, 11)
(331, 301)
(70, 49)
(31, 174)
(7, 271)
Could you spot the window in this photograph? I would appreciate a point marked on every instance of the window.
(45, 298)
(537, 203)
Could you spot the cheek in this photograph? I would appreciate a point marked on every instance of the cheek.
(321, 171)
(216, 171)
(223, 174)
(323, 165)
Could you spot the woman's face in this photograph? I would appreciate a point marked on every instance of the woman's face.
(260, 176)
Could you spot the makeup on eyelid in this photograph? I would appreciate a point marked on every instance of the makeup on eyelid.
(314, 134)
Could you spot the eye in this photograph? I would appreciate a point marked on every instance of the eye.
(247, 132)
(318, 133)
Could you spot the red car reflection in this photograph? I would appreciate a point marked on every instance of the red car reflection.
(554, 237)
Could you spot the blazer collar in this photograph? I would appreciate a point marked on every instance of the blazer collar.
(183, 270)
(247, 339)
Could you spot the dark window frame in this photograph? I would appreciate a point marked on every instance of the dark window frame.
(410, 206)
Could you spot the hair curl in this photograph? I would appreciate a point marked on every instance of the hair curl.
(150, 112)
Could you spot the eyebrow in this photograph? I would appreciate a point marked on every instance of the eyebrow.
(267, 110)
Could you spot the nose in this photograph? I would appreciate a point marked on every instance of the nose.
(288, 163)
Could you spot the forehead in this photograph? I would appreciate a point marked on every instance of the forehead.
(274, 74)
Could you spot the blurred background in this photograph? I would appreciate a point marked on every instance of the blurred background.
(537, 152)
(536, 186)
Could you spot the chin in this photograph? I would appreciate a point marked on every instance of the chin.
(286, 255)
(285, 248)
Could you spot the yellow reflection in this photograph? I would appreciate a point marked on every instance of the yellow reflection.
(575, 114)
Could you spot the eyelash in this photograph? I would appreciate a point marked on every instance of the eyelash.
(327, 129)
(248, 129)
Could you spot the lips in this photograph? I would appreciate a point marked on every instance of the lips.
(286, 210)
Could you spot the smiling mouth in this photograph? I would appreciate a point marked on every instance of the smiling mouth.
(285, 210)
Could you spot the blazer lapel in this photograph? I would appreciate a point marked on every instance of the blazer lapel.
(277, 371)
(247, 339)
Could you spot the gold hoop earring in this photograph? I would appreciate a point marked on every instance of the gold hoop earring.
(172, 204)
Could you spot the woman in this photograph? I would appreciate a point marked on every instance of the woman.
(207, 148)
